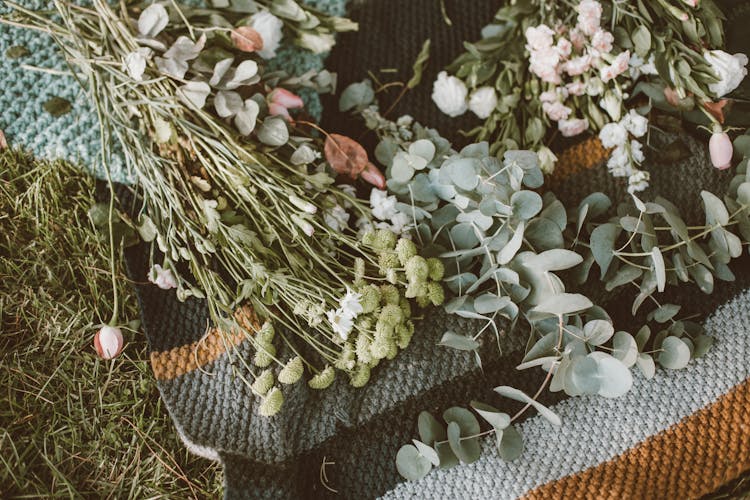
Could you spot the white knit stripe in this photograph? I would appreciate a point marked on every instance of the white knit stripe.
(596, 429)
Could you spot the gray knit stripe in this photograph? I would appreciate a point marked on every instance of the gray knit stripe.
(596, 429)
(217, 410)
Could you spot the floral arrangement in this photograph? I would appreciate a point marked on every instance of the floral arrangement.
(252, 204)
(594, 67)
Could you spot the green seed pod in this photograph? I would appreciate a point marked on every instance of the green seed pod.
(417, 269)
(272, 403)
(391, 315)
(405, 249)
(322, 379)
(405, 307)
(384, 240)
(264, 355)
(361, 376)
(292, 372)
(386, 261)
(371, 297)
(437, 269)
(363, 349)
(368, 239)
(359, 268)
(379, 349)
(389, 294)
(263, 383)
(435, 293)
(404, 333)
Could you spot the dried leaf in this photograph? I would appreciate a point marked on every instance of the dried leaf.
(346, 156)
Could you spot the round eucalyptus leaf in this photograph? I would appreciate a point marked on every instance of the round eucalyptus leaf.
(510, 444)
(513, 393)
(583, 375)
(273, 132)
(598, 204)
(464, 235)
(625, 348)
(743, 190)
(702, 345)
(423, 148)
(430, 430)
(427, 451)
(467, 450)
(615, 378)
(492, 415)
(526, 204)
(563, 303)
(646, 364)
(463, 173)
(447, 458)
(544, 234)
(465, 419)
(411, 464)
(675, 353)
(603, 244)
(598, 331)
(457, 341)
(401, 170)
(556, 259)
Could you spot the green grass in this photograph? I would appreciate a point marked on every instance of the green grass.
(71, 424)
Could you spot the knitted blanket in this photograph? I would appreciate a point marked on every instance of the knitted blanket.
(682, 434)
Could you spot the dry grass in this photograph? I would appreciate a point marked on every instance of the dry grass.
(71, 424)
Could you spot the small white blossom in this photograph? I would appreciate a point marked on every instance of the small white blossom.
(635, 123)
(729, 68)
(483, 101)
(449, 94)
(268, 27)
(163, 278)
(619, 163)
(539, 37)
(341, 323)
(547, 160)
(135, 62)
(336, 218)
(636, 151)
(589, 16)
(638, 181)
(350, 304)
(317, 44)
(613, 135)
(383, 206)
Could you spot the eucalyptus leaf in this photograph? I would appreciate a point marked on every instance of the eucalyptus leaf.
(430, 430)
(458, 341)
(411, 464)
(427, 452)
(625, 348)
(526, 204)
(675, 353)
(646, 364)
(659, 268)
(603, 244)
(512, 393)
(492, 415)
(509, 251)
(666, 312)
(510, 444)
(563, 303)
(598, 331)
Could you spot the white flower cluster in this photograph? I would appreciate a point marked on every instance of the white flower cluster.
(450, 95)
(628, 153)
(385, 210)
(342, 319)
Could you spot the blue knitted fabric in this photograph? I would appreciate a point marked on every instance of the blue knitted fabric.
(75, 135)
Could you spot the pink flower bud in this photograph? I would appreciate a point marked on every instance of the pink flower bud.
(108, 342)
(285, 98)
(247, 39)
(373, 175)
(720, 148)
(275, 109)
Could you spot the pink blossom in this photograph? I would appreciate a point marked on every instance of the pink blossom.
(543, 63)
(275, 109)
(578, 65)
(720, 148)
(602, 41)
(576, 88)
(572, 127)
(556, 111)
(548, 96)
(539, 38)
(589, 16)
(285, 98)
(618, 66)
(564, 47)
(577, 39)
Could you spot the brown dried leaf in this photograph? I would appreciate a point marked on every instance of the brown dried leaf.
(247, 39)
(346, 156)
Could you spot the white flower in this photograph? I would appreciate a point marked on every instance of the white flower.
(578, 65)
(635, 123)
(602, 41)
(268, 27)
(350, 304)
(400, 223)
(576, 88)
(383, 206)
(729, 68)
(556, 111)
(572, 127)
(612, 105)
(544, 64)
(539, 37)
(640, 67)
(594, 87)
(589, 16)
(135, 63)
(636, 151)
(336, 218)
(638, 181)
(316, 43)
(618, 66)
(449, 93)
(547, 160)
(483, 101)
(163, 278)
(619, 163)
(564, 47)
(613, 135)
(341, 322)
